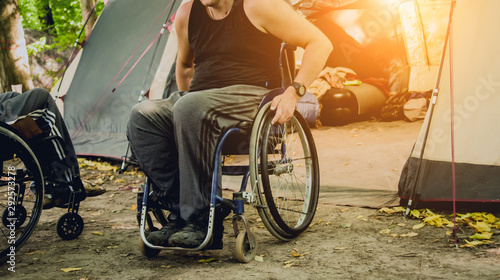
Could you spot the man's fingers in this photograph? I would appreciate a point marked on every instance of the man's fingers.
(276, 116)
(275, 103)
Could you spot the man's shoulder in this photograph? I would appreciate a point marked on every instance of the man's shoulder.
(182, 14)
(184, 9)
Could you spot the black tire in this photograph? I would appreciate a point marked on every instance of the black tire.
(20, 204)
(287, 188)
(70, 226)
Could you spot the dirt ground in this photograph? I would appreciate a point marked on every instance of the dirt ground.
(342, 243)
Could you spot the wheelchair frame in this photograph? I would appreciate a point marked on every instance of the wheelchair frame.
(270, 213)
(69, 226)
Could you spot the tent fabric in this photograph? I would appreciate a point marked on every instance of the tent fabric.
(473, 75)
(96, 116)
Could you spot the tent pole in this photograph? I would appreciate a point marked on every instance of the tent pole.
(431, 111)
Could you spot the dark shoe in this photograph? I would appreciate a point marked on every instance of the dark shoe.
(93, 190)
(161, 237)
(59, 194)
(48, 202)
(190, 236)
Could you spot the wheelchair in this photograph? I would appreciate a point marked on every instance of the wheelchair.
(22, 188)
(283, 171)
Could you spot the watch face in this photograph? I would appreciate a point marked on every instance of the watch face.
(300, 89)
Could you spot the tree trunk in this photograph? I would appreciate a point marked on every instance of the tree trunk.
(87, 6)
(14, 66)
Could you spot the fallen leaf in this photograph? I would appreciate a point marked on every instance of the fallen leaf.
(470, 244)
(399, 209)
(483, 235)
(36, 252)
(97, 233)
(419, 226)
(166, 266)
(385, 231)
(259, 258)
(480, 227)
(118, 181)
(410, 234)
(207, 260)
(491, 218)
(298, 255)
(415, 213)
(133, 207)
(345, 225)
(69, 269)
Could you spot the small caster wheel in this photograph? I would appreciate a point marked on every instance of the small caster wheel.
(69, 226)
(19, 214)
(244, 252)
(147, 251)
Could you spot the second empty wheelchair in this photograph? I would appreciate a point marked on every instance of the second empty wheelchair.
(22, 187)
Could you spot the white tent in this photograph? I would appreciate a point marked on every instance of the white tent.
(460, 137)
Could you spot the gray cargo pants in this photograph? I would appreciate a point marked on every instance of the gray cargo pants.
(174, 140)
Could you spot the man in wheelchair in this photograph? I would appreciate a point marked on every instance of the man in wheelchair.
(34, 115)
(228, 60)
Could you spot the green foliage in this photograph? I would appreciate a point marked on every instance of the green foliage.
(30, 14)
(67, 18)
(37, 46)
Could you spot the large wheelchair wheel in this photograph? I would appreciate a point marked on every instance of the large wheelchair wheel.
(21, 193)
(284, 172)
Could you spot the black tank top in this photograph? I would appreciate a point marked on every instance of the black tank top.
(231, 51)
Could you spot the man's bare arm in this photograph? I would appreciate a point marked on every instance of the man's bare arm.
(277, 18)
(184, 69)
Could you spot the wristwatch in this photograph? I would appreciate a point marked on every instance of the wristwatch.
(300, 89)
